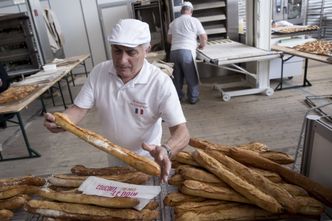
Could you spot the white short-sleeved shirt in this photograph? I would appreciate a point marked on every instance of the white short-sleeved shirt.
(184, 31)
(131, 113)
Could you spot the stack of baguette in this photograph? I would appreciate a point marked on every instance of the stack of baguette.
(14, 193)
(246, 182)
(61, 200)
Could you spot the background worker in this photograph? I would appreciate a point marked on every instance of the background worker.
(182, 35)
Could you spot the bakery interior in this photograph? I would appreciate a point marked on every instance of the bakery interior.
(269, 96)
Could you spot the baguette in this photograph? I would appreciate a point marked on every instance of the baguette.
(6, 214)
(64, 180)
(248, 190)
(211, 191)
(86, 212)
(81, 170)
(309, 206)
(254, 146)
(176, 180)
(116, 202)
(277, 157)
(204, 144)
(293, 189)
(203, 206)
(224, 211)
(185, 158)
(274, 177)
(12, 192)
(257, 180)
(13, 203)
(26, 180)
(319, 191)
(190, 173)
(176, 198)
(138, 162)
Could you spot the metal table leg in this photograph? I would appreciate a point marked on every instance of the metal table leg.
(62, 97)
(72, 77)
(69, 90)
(32, 152)
(306, 82)
(86, 72)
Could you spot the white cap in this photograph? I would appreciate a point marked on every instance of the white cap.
(130, 33)
(188, 4)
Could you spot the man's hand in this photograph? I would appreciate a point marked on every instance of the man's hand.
(160, 156)
(49, 123)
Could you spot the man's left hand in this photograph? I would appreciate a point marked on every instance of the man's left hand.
(160, 156)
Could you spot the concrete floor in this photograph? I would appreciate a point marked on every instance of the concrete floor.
(275, 121)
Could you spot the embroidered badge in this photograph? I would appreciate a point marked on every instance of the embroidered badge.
(138, 107)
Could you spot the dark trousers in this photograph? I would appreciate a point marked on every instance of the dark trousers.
(184, 69)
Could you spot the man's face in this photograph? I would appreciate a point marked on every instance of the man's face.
(128, 61)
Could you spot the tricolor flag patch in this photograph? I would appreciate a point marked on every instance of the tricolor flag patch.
(139, 111)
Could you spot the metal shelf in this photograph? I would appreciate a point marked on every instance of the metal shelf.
(209, 5)
(212, 18)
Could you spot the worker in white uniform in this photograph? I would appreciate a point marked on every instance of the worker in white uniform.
(182, 35)
(132, 97)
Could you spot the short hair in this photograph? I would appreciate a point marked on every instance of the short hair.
(186, 8)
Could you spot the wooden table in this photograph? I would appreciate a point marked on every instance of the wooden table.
(16, 107)
(306, 56)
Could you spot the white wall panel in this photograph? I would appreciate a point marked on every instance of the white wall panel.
(71, 20)
(94, 31)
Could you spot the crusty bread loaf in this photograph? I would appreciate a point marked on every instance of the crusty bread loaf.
(211, 191)
(86, 212)
(5, 214)
(184, 158)
(25, 180)
(309, 206)
(12, 191)
(13, 203)
(293, 189)
(254, 146)
(277, 157)
(64, 180)
(136, 161)
(112, 202)
(191, 173)
(227, 211)
(176, 198)
(320, 192)
(204, 144)
(248, 190)
(257, 180)
(274, 177)
(175, 180)
(81, 170)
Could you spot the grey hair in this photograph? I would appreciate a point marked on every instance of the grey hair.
(186, 8)
(146, 45)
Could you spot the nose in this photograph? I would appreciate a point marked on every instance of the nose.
(123, 58)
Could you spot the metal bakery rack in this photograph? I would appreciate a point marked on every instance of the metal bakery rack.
(227, 54)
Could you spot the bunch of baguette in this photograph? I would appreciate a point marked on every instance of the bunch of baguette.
(246, 182)
(60, 200)
(15, 192)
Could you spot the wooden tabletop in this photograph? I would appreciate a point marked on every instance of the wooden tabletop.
(291, 51)
(17, 106)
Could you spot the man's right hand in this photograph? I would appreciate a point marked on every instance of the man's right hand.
(49, 123)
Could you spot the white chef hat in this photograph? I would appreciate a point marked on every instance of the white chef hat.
(130, 33)
(188, 4)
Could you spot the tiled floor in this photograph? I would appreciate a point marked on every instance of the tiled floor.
(274, 120)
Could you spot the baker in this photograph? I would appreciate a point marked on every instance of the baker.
(132, 98)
